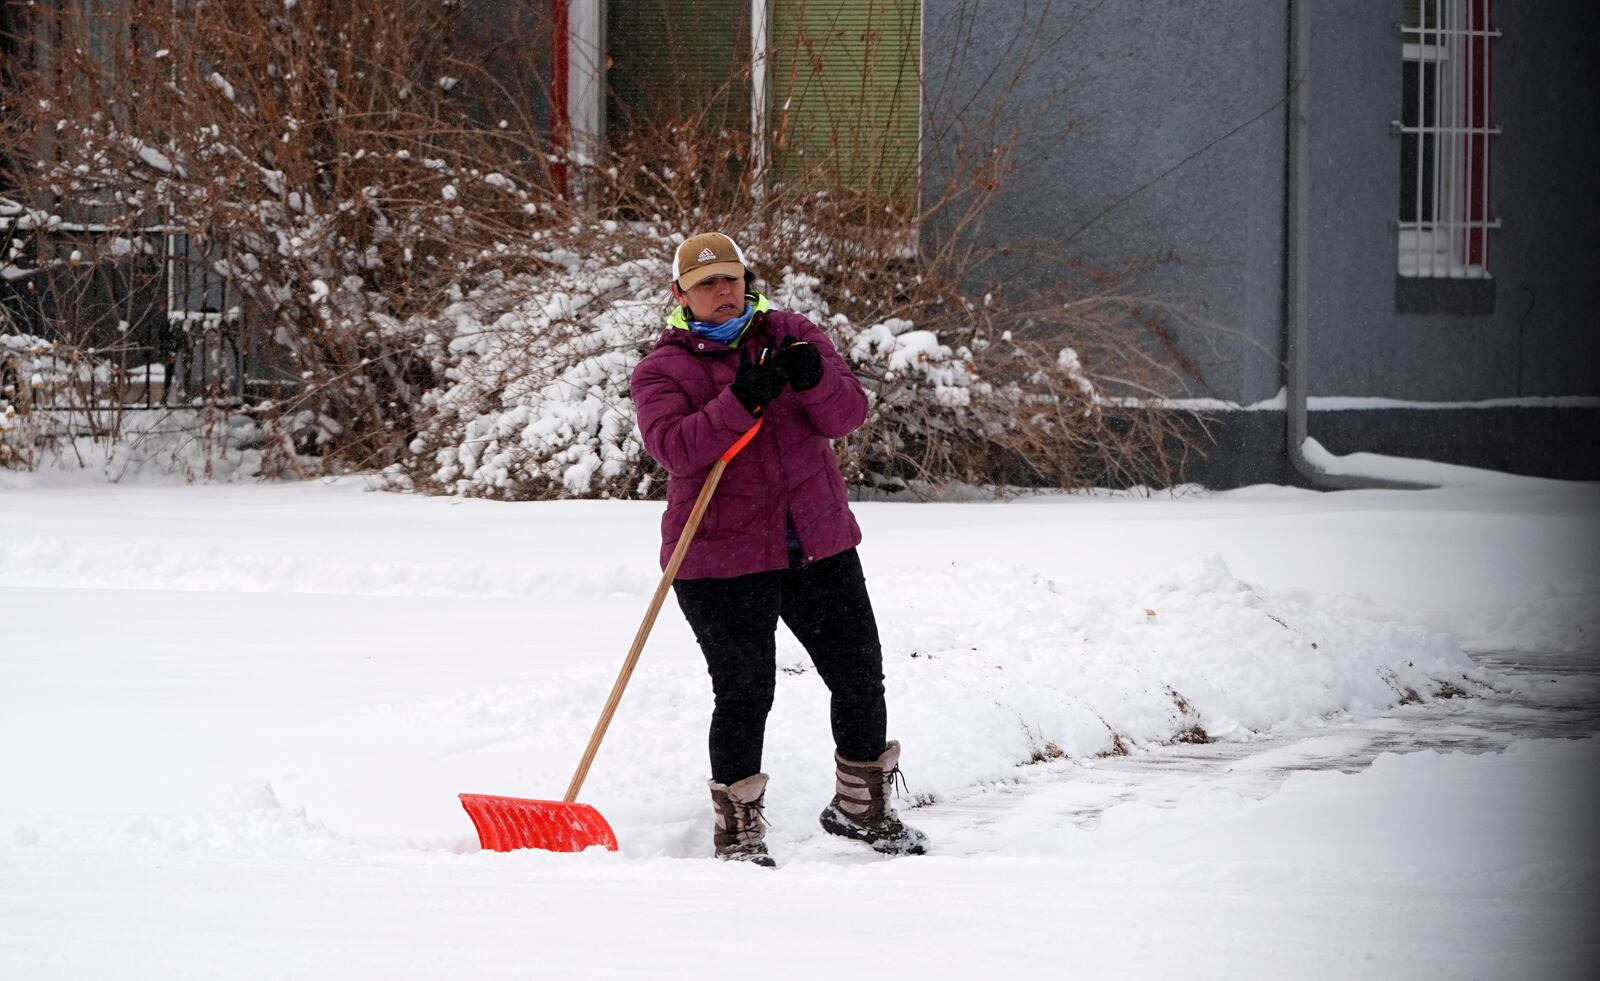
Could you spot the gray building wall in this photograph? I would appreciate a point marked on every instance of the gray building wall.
(1143, 85)
(1159, 81)
(1547, 258)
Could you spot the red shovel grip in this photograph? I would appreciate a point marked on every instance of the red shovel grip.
(740, 443)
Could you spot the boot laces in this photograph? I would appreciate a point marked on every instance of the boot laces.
(751, 817)
(894, 783)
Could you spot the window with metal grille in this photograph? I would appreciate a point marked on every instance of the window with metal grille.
(1444, 129)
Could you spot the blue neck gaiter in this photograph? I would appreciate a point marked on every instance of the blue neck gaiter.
(724, 333)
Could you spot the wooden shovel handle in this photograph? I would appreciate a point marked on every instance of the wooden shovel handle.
(670, 573)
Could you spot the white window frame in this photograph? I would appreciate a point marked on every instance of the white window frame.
(585, 80)
(1446, 235)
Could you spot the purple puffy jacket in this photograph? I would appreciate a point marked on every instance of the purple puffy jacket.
(788, 473)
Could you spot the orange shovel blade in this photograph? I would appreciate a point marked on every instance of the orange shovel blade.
(508, 823)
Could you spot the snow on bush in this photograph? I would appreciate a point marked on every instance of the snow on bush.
(535, 369)
(534, 401)
(43, 367)
(241, 163)
(898, 350)
(31, 369)
(61, 404)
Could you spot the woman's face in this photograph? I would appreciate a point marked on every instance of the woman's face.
(715, 300)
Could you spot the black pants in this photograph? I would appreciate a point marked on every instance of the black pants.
(825, 605)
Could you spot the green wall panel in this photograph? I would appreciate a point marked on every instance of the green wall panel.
(846, 91)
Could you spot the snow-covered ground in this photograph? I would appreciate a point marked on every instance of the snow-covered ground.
(234, 721)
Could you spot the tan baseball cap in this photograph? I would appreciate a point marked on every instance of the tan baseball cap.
(705, 255)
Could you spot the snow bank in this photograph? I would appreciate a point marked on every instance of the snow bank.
(1194, 654)
(1564, 618)
(371, 655)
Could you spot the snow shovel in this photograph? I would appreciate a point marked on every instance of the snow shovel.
(507, 823)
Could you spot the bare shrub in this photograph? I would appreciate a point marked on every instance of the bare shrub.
(316, 158)
(975, 378)
(421, 276)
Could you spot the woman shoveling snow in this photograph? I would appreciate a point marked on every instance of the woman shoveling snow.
(778, 540)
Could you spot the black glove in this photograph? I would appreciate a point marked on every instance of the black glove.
(758, 384)
(801, 362)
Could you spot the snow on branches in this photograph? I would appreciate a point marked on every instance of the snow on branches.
(417, 274)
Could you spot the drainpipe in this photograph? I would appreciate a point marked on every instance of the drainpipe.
(1298, 260)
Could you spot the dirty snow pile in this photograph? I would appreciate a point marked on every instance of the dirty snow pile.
(235, 720)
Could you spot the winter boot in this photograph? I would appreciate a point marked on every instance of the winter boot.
(861, 810)
(740, 829)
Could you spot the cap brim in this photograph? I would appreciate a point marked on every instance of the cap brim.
(730, 269)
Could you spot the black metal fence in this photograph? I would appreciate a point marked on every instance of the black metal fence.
(153, 326)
